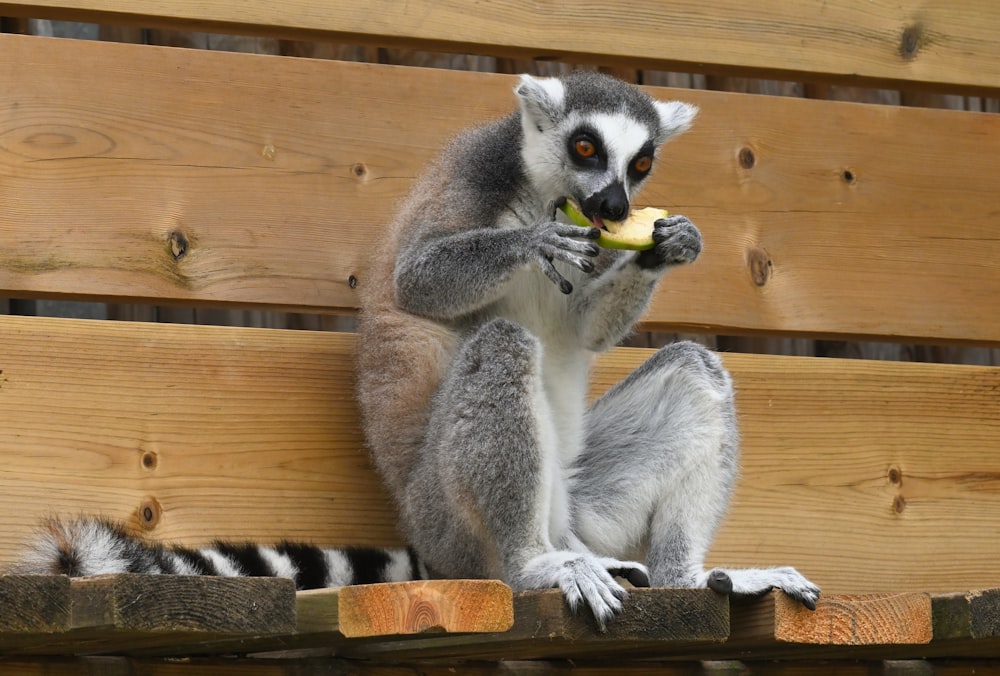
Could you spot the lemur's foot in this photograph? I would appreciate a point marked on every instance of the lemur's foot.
(584, 579)
(758, 581)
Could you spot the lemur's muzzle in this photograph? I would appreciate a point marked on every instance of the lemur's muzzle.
(609, 203)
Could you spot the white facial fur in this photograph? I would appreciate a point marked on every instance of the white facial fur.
(546, 125)
(623, 138)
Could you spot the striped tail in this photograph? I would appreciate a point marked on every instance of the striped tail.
(86, 546)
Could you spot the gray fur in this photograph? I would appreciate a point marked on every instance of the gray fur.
(480, 320)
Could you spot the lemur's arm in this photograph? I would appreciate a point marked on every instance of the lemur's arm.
(449, 276)
(614, 301)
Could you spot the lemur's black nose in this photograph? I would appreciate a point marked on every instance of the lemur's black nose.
(610, 203)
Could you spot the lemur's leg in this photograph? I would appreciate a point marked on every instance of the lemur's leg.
(489, 488)
(658, 469)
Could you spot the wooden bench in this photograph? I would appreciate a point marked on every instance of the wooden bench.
(140, 174)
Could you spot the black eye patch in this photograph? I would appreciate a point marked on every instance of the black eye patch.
(640, 165)
(585, 148)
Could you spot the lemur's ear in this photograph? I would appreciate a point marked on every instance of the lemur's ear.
(675, 118)
(542, 100)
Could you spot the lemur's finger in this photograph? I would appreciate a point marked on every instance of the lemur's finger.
(570, 236)
(550, 271)
(557, 205)
(576, 232)
(584, 264)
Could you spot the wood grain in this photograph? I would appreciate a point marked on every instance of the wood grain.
(132, 613)
(652, 621)
(966, 624)
(839, 620)
(219, 432)
(33, 604)
(329, 619)
(179, 603)
(426, 607)
(857, 41)
(33, 610)
(236, 433)
(132, 187)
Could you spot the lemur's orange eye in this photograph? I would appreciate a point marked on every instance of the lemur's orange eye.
(643, 164)
(584, 148)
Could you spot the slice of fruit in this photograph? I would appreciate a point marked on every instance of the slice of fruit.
(635, 232)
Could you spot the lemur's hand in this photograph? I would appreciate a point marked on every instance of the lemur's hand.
(584, 579)
(569, 243)
(678, 241)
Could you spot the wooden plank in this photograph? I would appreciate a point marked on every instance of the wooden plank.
(436, 606)
(966, 624)
(774, 627)
(326, 618)
(253, 433)
(948, 44)
(817, 216)
(128, 613)
(33, 608)
(967, 615)
(652, 621)
(777, 625)
(34, 604)
(178, 603)
(187, 433)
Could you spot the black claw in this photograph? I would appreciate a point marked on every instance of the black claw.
(637, 577)
(593, 233)
(566, 287)
(586, 266)
(559, 202)
(720, 582)
(808, 602)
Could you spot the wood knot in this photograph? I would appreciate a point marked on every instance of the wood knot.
(895, 476)
(911, 41)
(899, 504)
(179, 245)
(760, 265)
(149, 513)
(850, 178)
(359, 170)
(149, 460)
(747, 158)
(352, 282)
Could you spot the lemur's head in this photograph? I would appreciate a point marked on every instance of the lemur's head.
(594, 138)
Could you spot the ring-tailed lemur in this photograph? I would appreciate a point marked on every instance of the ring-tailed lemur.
(481, 315)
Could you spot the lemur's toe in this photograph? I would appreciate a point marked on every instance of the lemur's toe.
(807, 596)
(720, 582)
